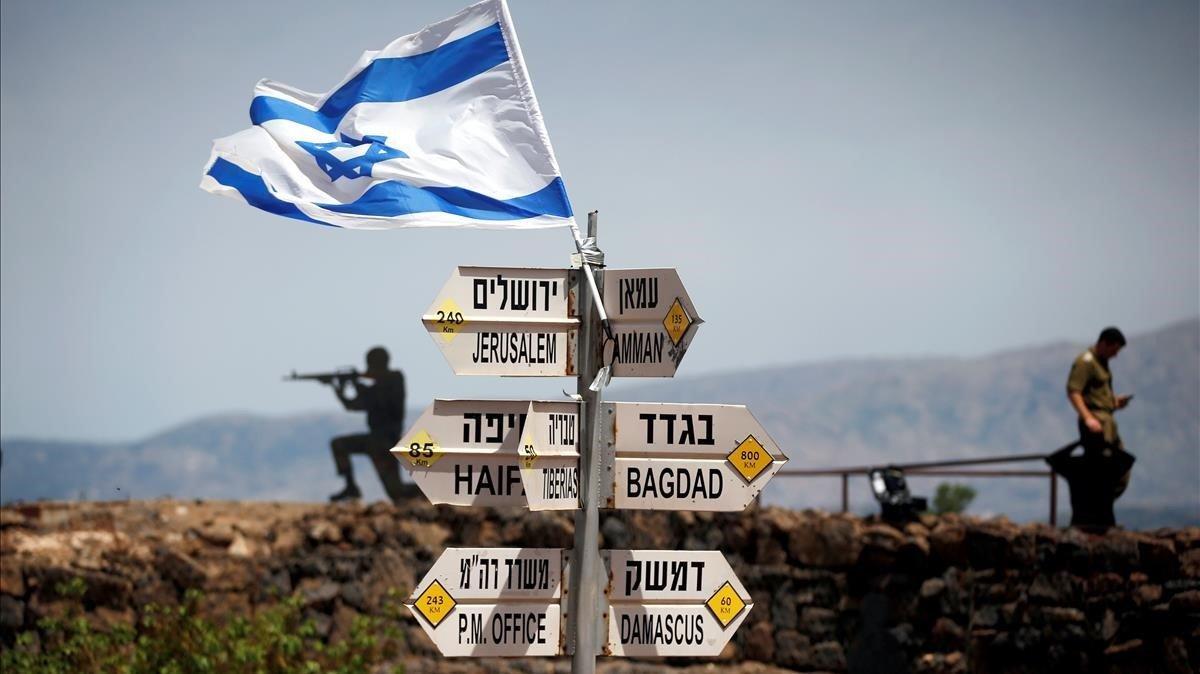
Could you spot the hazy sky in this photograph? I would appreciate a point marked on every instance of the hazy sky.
(834, 179)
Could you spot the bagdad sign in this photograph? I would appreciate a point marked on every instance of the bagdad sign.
(495, 453)
(673, 456)
(508, 602)
(524, 322)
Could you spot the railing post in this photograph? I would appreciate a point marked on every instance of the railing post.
(845, 492)
(1053, 499)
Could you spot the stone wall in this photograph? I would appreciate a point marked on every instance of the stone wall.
(831, 592)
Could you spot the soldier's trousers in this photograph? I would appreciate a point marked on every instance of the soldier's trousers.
(378, 447)
(1108, 438)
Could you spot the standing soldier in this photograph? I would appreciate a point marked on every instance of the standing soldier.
(1089, 388)
(384, 404)
(1101, 475)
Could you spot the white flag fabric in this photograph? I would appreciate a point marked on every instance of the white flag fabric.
(438, 129)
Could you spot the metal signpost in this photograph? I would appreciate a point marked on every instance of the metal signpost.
(551, 454)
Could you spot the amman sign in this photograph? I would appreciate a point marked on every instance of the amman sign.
(496, 453)
(673, 456)
(652, 319)
(524, 322)
(507, 602)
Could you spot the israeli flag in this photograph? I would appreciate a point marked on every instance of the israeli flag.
(437, 129)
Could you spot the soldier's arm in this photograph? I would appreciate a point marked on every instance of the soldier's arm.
(355, 404)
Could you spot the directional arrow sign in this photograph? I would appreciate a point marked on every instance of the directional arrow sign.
(508, 602)
(523, 322)
(665, 603)
(670, 456)
(506, 321)
(652, 319)
(492, 602)
(472, 452)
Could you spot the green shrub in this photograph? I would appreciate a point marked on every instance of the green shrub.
(952, 498)
(177, 640)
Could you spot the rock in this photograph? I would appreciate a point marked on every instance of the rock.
(760, 642)
(1123, 648)
(770, 551)
(820, 624)
(324, 531)
(947, 635)
(1062, 614)
(1189, 563)
(389, 577)
(1158, 556)
(1105, 583)
(793, 650)
(783, 607)
(985, 616)
(362, 534)
(827, 542)
(1116, 551)
(12, 613)
(616, 534)
(341, 622)
(1147, 595)
(180, 569)
(1186, 602)
(317, 592)
(932, 587)
(1175, 656)
(829, 656)
(948, 542)
(218, 533)
(1108, 625)
(243, 547)
(12, 579)
(288, 540)
(989, 542)
(426, 537)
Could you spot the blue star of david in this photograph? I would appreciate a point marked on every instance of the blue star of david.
(358, 167)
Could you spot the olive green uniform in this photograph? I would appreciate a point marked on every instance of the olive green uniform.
(1091, 378)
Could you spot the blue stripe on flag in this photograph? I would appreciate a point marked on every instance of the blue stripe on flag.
(392, 80)
(391, 198)
(254, 190)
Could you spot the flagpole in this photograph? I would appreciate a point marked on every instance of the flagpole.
(583, 600)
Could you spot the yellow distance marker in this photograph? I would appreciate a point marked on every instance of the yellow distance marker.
(435, 603)
(449, 320)
(676, 322)
(423, 451)
(750, 458)
(725, 604)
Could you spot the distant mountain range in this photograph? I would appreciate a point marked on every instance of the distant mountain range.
(825, 414)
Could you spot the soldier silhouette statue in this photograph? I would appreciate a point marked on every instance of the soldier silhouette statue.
(383, 401)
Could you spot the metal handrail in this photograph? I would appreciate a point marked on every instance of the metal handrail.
(937, 468)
